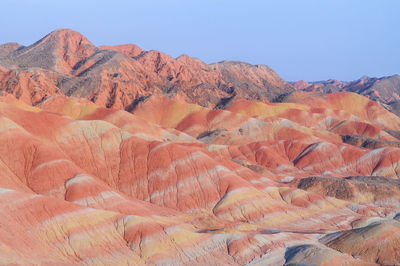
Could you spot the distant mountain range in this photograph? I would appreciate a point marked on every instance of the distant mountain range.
(385, 90)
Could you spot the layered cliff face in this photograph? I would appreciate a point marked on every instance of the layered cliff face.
(115, 155)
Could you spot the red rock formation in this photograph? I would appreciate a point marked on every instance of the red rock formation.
(59, 51)
(119, 76)
(115, 155)
(385, 90)
(130, 50)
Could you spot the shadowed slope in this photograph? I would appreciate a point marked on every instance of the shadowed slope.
(378, 242)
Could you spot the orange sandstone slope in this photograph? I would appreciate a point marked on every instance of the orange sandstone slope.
(115, 155)
(142, 198)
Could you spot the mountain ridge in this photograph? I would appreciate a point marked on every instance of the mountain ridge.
(65, 52)
(385, 90)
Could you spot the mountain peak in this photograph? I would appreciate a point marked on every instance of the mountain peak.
(65, 31)
(58, 51)
(7, 48)
(64, 36)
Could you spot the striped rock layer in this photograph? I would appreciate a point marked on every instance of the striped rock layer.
(185, 176)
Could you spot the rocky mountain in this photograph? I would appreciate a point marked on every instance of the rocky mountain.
(120, 76)
(114, 155)
(8, 48)
(385, 90)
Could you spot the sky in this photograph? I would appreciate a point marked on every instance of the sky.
(300, 39)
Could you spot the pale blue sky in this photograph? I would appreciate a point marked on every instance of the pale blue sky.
(300, 39)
